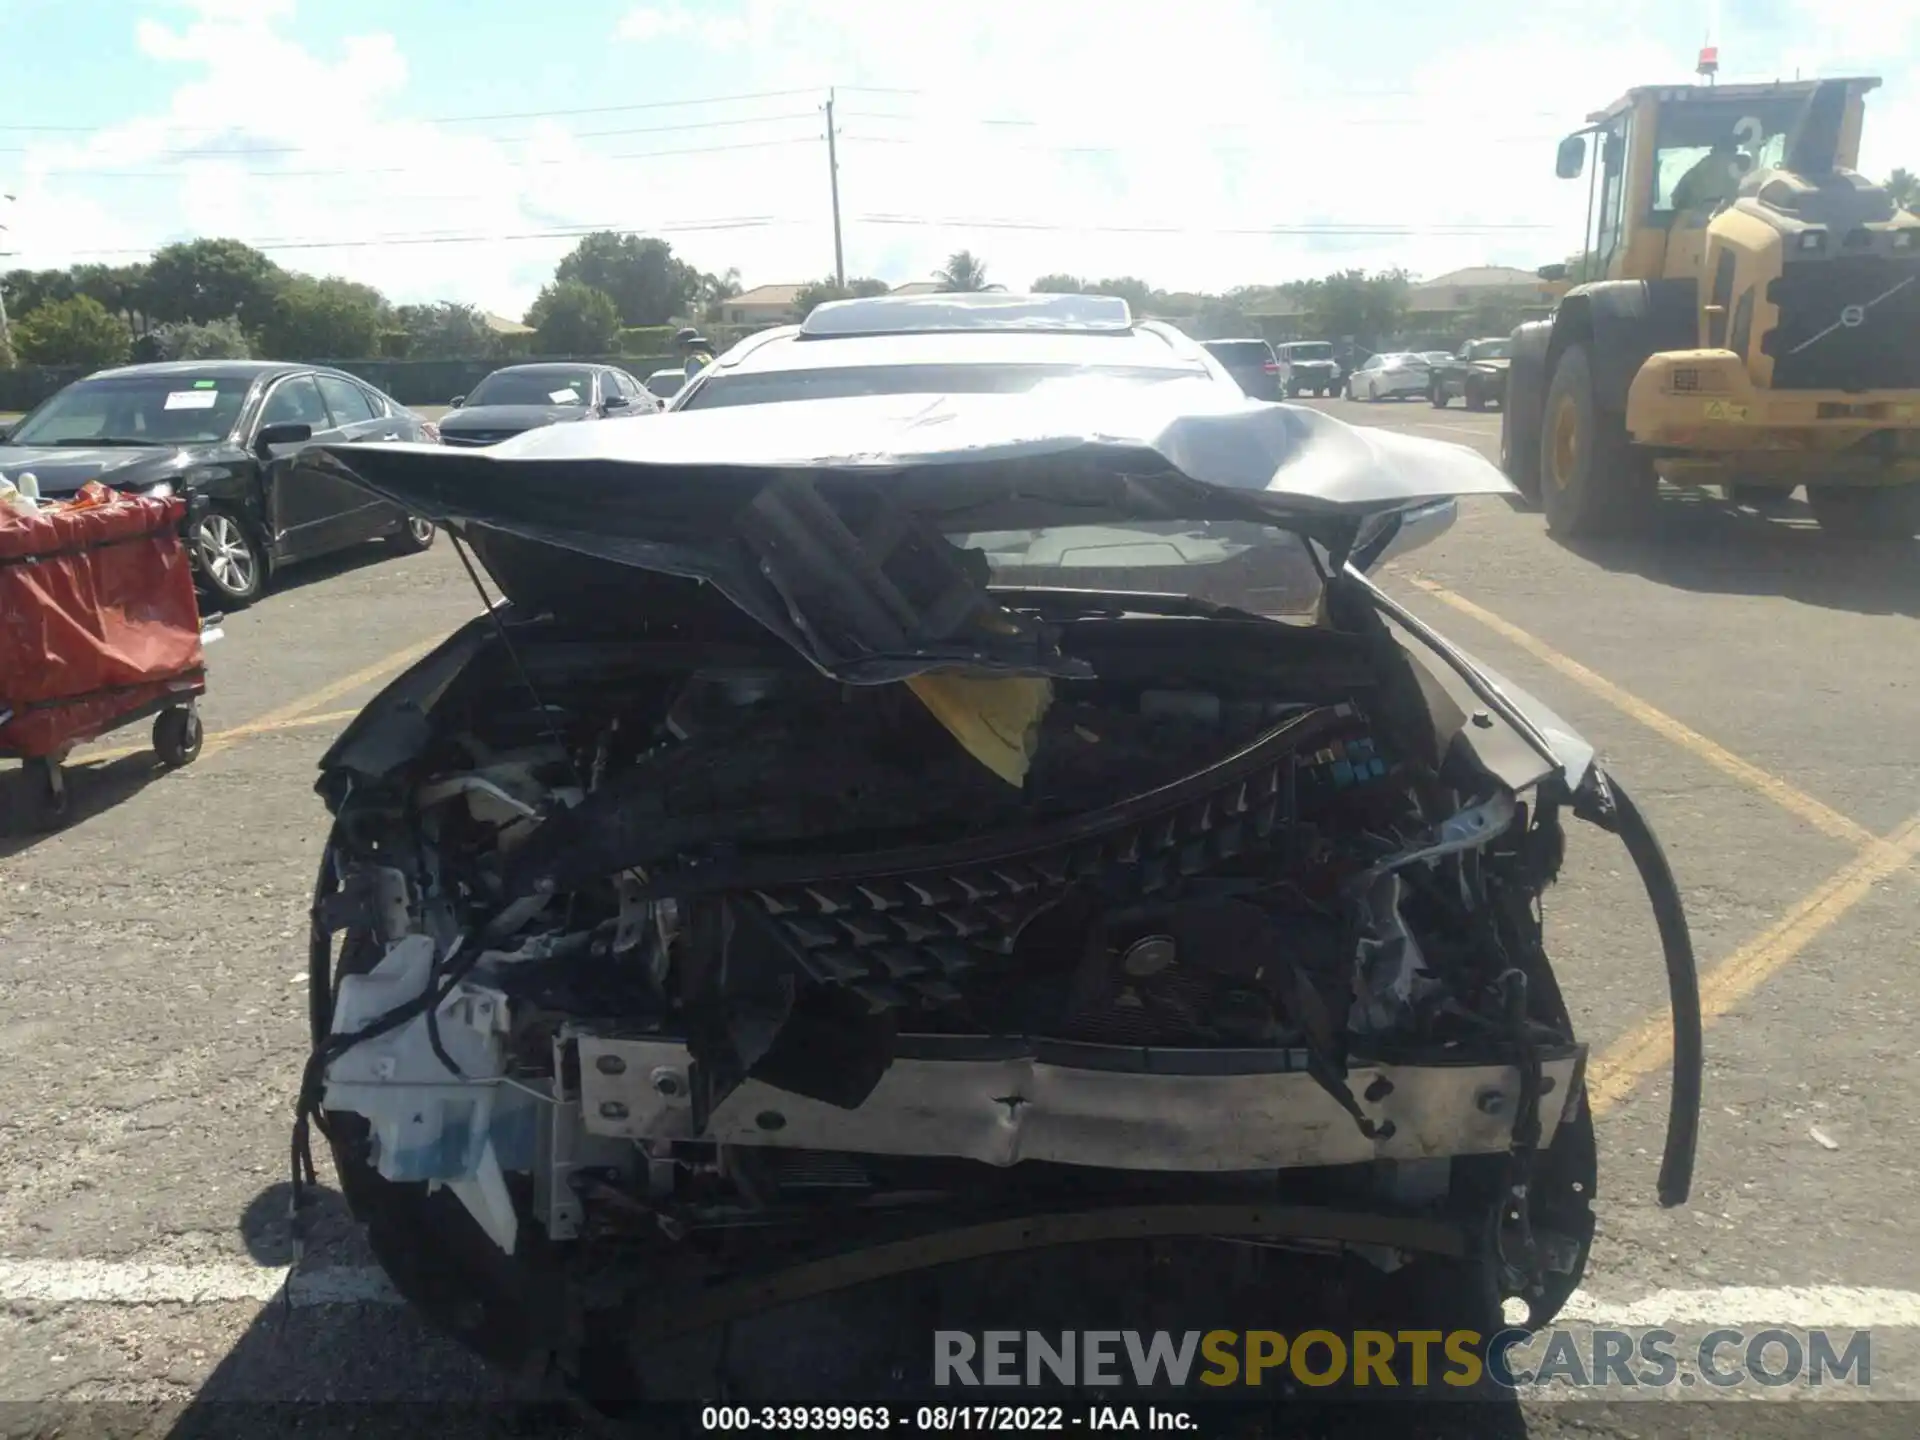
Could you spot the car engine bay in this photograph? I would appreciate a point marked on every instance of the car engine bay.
(675, 950)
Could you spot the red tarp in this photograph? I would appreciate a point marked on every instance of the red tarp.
(97, 618)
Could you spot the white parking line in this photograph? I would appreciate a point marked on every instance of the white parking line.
(106, 1282)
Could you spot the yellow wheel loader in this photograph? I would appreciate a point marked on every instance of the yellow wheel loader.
(1745, 313)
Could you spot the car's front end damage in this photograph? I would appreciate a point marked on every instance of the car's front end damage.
(763, 903)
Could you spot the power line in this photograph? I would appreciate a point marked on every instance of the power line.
(443, 238)
(250, 152)
(359, 170)
(469, 119)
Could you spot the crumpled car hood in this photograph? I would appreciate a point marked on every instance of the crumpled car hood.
(824, 519)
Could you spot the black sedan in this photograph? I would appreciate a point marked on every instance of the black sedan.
(229, 435)
(519, 398)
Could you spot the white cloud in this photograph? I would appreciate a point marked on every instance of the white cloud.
(1079, 127)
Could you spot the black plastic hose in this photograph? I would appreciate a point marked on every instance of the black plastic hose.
(1683, 991)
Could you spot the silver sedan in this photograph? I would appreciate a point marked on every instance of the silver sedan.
(1390, 377)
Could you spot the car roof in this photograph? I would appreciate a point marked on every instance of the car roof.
(211, 369)
(1145, 345)
(546, 365)
(966, 329)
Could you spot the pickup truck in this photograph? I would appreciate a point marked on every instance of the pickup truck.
(1477, 374)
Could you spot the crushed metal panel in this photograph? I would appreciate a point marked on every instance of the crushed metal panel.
(1004, 1111)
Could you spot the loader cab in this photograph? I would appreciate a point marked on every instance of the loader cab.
(1636, 156)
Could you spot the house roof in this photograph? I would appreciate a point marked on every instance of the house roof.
(500, 325)
(768, 295)
(917, 287)
(1480, 277)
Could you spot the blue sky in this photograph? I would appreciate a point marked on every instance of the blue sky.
(1120, 137)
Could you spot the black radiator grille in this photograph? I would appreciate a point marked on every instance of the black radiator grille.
(1851, 323)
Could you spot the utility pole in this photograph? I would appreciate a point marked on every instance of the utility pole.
(6, 334)
(833, 181)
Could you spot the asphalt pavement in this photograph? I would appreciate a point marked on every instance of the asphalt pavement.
(1750, 680)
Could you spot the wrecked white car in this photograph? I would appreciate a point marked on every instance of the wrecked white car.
(801, 877)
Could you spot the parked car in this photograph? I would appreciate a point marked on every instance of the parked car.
(1392, 376)
(1477, 374)
(519, 398)
(751, 934)
(1307, 367)
(230, 435)
(1251, 364)
(665, 384)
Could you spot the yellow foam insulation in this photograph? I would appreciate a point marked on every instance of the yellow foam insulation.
(997, 720)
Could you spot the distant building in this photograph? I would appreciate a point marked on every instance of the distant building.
(917, 287)
(763, 305)
(500, 325)
(1481, 288)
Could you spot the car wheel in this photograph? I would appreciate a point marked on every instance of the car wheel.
(413, 536)
(1890, 512)
(1592, 480)
(231, 562)
(177, 736)
(1438, 395)
(1475, 400)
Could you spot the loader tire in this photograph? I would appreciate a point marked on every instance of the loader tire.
(1889, 513)
(1592, 480)
(1520, 451)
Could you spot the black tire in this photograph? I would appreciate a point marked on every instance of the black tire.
(1889, 512)
(1592, 480)
(177, 736)
(1475, 400)
(229, 558)
(1760, 497)
(413, 536)
(1520, 452)
(1438, 395)
(48, 801)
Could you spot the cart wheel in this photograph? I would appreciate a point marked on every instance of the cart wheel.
(176, 737)
(48, 799)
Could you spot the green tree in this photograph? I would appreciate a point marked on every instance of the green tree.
(121, 288)
(647, 284)
(714, 291)
(444, 331)
(1904, 187)
(206, 280)
(1136, 292)
(28, 290)
(80, 331)
(1353, 302)
(574, 318)
(322, 319)
(964, 271)
(821, 291)
(216, 340)
(1058, 285)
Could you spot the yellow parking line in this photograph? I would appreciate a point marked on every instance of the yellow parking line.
(314, 699)
(1612, 1075)
(293, 713)
(1821, 816)
(227, 737)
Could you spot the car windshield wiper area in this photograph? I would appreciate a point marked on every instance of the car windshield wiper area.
(1047, 601)
(78, 441)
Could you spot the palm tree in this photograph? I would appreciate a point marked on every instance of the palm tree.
(1904, 187)
(964, 271)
